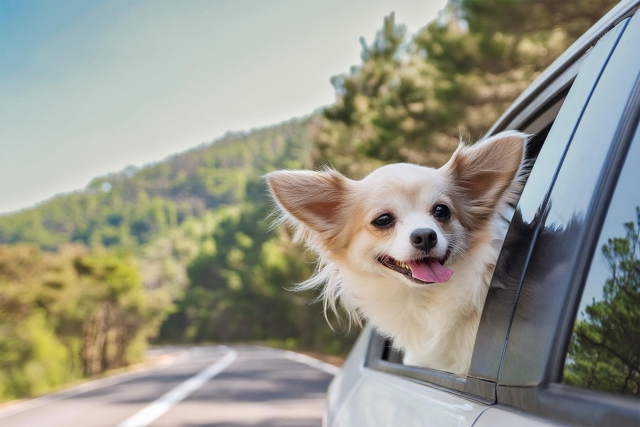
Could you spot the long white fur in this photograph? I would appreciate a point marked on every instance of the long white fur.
(434, 325)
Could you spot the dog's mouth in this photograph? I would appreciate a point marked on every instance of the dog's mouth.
(423, 270)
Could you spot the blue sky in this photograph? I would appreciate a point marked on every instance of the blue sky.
(89, 87)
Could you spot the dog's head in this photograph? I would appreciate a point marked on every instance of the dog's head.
(406, 222)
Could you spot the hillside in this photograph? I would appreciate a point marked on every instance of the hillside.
(130, 208)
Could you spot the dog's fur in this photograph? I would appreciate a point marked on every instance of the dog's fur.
(433, 324)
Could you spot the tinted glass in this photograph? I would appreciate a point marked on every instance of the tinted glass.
(604, 353)
(505, 285)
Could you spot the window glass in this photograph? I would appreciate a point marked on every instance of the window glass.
(604, 353)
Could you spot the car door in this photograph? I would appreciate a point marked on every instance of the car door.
(374, 388)
(573, 350)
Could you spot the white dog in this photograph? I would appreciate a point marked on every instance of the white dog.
(409, 248)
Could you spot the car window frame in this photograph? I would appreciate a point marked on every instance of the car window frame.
(549, 398)
(471, 386)
(543, 111)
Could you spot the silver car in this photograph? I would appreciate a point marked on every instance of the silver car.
(559, 338)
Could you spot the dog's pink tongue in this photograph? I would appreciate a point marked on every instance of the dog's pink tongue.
(430, 271)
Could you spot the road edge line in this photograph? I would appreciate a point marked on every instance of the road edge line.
(311, 361)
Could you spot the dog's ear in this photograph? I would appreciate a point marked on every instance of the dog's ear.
(483, 172)
(315, 199)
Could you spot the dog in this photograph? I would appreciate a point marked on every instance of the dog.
(409, 248)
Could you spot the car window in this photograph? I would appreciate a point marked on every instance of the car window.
(547, 149)
(604, 353)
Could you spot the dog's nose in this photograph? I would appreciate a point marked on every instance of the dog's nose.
(424, 239)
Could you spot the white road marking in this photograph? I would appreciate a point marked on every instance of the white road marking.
(167, 401)
(30, 404)
(310, 361)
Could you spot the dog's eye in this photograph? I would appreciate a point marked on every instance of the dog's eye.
(383, 221)
(442, 212)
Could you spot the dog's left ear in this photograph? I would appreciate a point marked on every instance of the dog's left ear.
(315, 199)
(483, 172)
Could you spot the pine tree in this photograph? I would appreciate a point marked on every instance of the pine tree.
(412, 100)
(604, 353)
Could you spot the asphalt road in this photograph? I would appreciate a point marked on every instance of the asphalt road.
(195, 387)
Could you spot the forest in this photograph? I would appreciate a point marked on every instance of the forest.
(182, 251)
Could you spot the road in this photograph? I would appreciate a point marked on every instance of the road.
(196, 387)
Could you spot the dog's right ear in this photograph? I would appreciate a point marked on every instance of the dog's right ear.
(483, 173)
(315, 199)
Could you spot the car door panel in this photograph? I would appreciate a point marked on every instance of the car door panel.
(381, 399)
(349, 376)
(496, 416)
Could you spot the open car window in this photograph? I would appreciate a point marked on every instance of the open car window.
(553, 122)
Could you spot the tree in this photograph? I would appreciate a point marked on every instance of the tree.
(68, 314)
(604, 353)
(412, 100)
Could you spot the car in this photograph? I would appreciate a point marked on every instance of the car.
(559, 337)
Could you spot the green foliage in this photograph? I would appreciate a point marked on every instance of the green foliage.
(68, 314)
(185, 212)
(131, 208)
(32, 358)
(238, 292)
(412, 99)
(605, 349)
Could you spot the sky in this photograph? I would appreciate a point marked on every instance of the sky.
(90, 87)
